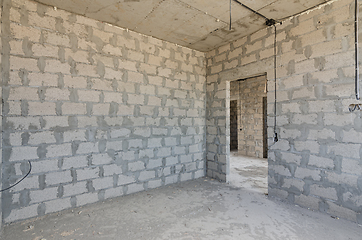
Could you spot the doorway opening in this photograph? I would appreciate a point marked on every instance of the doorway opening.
(265, 128)
(234, 125)
(248, 161)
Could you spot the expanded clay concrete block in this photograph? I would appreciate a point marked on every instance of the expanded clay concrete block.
(59, 150)
(57, 205)
(328, 193)
(23, 93)
(39, 196)
(301, 102)
(351, 166)
(135, 187)
(155, 183)
(75, 108)
(21, 31)
(31, 183)
(146, 175)
(74, 162)
(44, 166)
(343, 178)
(87, 173)
(102, 183)
(22, 213)
(87, 198)
(55, 178)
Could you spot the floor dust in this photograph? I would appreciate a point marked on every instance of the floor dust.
(249, 173)
(198, 209)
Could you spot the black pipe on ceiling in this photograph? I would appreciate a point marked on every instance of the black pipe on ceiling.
(268, 22)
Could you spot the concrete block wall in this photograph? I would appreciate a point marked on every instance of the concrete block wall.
(98, 110)
(249, 93)
(317, 161)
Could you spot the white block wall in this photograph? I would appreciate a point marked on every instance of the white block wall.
(317, 161)
(102, 112)
(98, 110)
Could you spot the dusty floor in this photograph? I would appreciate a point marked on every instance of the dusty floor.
(200, 209)
(249, 173)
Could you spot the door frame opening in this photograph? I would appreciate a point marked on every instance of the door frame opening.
(262, 114)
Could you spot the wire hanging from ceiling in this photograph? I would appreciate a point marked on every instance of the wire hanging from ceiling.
(239, 109)
(275, 84)
(269, 22)
(357, 90)
(230, 17)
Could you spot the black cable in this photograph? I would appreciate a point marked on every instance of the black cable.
(261, 15)
(269, 21)
(230, 17)
(19, 180)
(357, 90)
(240, 108)
(254, 76)
(275, 82)
(354, 107)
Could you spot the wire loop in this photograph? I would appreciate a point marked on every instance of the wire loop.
(2, 190)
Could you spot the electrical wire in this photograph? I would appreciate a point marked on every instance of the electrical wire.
(268, 22)
(261, 15)
(356, 50)
(19, 180)
(354, 107)
(230, 17)
(253, 76)
(240, 107)
(275, 82)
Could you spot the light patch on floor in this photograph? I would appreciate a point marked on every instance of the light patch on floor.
(249, 173)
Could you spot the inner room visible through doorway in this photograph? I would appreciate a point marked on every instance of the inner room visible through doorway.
(248, 134)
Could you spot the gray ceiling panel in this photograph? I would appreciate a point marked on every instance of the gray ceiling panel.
(127, 14)
(199, 24)
(167, 17)
(287, 8)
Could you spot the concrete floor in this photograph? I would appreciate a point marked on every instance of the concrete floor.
(199, 209)
(249, 173)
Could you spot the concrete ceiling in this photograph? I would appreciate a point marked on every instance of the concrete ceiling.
(198, 24)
